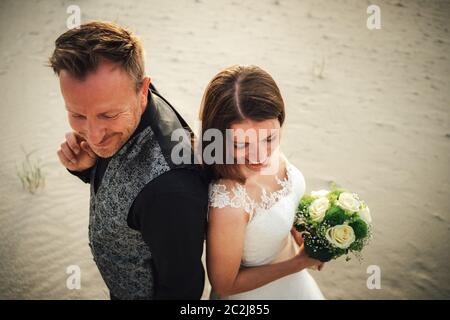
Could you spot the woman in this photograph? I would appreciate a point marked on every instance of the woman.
(252, 250)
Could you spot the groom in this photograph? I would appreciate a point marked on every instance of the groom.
(147, 215)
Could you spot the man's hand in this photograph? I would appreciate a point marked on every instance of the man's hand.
(75, 153)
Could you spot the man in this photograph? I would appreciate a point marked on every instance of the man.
(147, 214)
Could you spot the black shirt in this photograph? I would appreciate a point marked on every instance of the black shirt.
(170, 212)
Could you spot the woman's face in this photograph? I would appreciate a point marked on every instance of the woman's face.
(255, 144)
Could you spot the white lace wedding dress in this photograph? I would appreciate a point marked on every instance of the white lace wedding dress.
(268, 238)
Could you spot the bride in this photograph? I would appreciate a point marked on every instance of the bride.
(253, 252)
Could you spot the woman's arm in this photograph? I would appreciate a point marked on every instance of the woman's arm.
(225, 243)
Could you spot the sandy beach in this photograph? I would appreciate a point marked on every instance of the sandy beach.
(369, 109)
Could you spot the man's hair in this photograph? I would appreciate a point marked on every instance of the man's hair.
(80, 50)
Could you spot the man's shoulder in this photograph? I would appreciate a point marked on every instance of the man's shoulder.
(190, 180)
(178, 190)
(186, 179)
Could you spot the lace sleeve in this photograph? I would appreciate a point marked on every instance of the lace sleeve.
(220, 197)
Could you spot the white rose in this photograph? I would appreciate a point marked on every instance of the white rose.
(348, 201)
(318, 208)
(320, 193)
(341, 236)
(364, 214)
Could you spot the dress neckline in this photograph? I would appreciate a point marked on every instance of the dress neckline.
(269, 199)
(238, 197)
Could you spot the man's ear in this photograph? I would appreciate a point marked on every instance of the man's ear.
(143, 94)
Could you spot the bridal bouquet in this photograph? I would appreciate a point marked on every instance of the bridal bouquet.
(333, 223)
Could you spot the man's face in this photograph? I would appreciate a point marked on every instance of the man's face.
(104, 108)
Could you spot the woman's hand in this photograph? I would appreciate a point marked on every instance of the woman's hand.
(298, 236)
(304, 261)
(302, 256)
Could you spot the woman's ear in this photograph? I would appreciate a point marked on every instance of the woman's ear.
(143, 94)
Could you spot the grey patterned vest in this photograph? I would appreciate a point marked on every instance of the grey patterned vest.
(121, 255)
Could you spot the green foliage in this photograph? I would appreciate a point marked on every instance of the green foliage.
(334, 194)
(335, 216)
(358, 245)
(360, 228)
(306, 201)
(319, 252)
(30, 174)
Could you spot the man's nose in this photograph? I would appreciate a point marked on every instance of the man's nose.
(95, 132)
